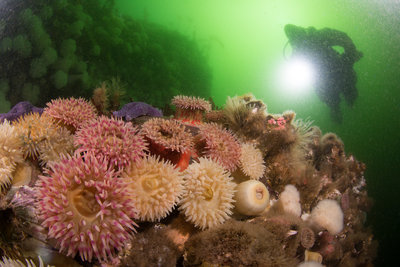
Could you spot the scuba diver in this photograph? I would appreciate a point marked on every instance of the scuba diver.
(335, 74)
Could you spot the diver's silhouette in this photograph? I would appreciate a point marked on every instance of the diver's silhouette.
(335, 74)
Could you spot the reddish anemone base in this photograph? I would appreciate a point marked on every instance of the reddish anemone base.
(180, 159)
(189, 116)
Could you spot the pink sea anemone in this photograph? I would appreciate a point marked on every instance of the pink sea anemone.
(118, 141)
(71, 112)
(170, 140)
(190, 109)
(219, 144)
(278, 123)
(85, 207)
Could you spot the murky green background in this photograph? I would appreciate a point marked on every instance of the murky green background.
(245, 40)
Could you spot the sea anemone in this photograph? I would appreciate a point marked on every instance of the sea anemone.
(331, 150)
(218, 144)
(251, 163)
(118, 141)
(190, 109)
(311, 256)
(207, 198)
(7, 262)
(34, 129)
(251, 198)
(100, 98)
(290, 199)
(307, 237)
(170, 140)
(328, 215)
(246, 116)
(85, 207)
(156, 187)
(23, 173)
(6, 173)
(58, 145)
(10, 144)
(310, 264)
(71, 112)
(236, 112)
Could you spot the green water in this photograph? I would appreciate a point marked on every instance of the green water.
(245, 41)
(232, 47)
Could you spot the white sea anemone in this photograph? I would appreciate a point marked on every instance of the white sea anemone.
(290, 199)
(251, 161)
(208, 194)
(6, 169)
(7, 262)
(10, 153)
(156, 187)
(10, 143)
(310, 264)
(252, 197)
(328, 215)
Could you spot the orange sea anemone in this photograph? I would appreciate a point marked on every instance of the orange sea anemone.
(34, 129)
(190, 109)
(218, 144)
(156, 187)
(85, 207)
(118, 141)
(207, 198)
(170, 140)
(71, 112)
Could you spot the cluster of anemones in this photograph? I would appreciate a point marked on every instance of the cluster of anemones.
(218, 144)
(117, 141)
(156, 187)
(85, 207)
(170, 140)
(277, 123)
(190, 109)
(207, 198)
(71, 112)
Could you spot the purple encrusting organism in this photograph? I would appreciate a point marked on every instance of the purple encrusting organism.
(136, 109)
(18, 110)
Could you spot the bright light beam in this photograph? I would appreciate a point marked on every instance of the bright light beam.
(297, 76)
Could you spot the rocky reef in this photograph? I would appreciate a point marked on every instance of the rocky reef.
(237, 186)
